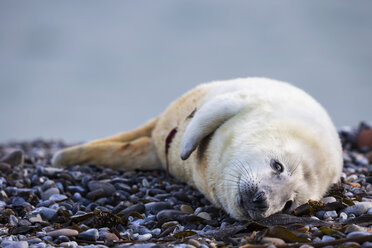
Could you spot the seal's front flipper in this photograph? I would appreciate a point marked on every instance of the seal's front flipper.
(206, 120)
(137, 154)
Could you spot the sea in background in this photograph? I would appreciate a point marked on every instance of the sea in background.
(81, 70)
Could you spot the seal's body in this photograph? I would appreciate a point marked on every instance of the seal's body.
(253, 146)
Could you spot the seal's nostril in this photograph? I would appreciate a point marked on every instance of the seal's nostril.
(259, 197)
(287, 206)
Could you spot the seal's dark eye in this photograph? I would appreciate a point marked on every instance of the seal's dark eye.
(276, 165)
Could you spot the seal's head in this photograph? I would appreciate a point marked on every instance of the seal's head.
(286, 167)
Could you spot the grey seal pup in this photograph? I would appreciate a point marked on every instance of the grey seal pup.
(252, 146)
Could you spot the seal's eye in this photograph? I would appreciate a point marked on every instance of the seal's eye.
(276, 165)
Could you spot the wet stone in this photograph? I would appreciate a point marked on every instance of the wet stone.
(110, 236)
(108, 188)
(61, 239)
(70, 244)
(48, 193)
(168, 215)
(139, 207)
(332, 214)
(186, 209)
(34, 241)
(354, 228)
(58, 197)
(96, 194)
(13, 221)
(14, 244)
(144, 237)
(155, 207)
(204, 215)
(359, 208)
(90, 234)
(47, 213)
(63, 231)
(357, 234)
(4, 167)
(14, 158)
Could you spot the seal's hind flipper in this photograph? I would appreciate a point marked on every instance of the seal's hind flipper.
(128, 150)
(138, 154)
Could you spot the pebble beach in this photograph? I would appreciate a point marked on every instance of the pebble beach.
(89, 206)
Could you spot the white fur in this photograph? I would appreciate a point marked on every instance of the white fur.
(254, 120)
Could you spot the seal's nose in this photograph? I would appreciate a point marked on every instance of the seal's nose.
(260, 200)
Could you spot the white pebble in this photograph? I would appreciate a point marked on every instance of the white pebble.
(328, 199)
(144, 237)
(343, 217)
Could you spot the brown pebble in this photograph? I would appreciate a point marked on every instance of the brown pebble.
(186, 209)
(169, 224)
(271, 240)
(354, 184)
(353, 228)
(4, 167)
(194, 242)
(111, 236)
(365, 138)
(14, 159)
(63, 231)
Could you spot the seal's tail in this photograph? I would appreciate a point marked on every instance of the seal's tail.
(129, 150)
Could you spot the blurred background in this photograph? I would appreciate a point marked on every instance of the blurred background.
(81, 70)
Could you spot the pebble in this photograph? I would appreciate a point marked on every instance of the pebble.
(186, 209)
(13, 221)
(139, 207)
(359, 208)
(14, 244)
(169, 224)
(46, 213)
(48, 193)
(34, 241)
(110, 236)
(369, 211)
(58, 197)
(155, 207)
(194, 243)
(63, 231)
(90, 234)
(167, 215)
(271, 240)
(108, 188)
(332, 214)
(357, 234)
(14, 158)
(343, 217)
(327, 238)
(328, 199)
(70, 244)
(144, 237)
(354, 228)
(204, 215)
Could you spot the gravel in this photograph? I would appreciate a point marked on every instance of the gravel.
(89, 206)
